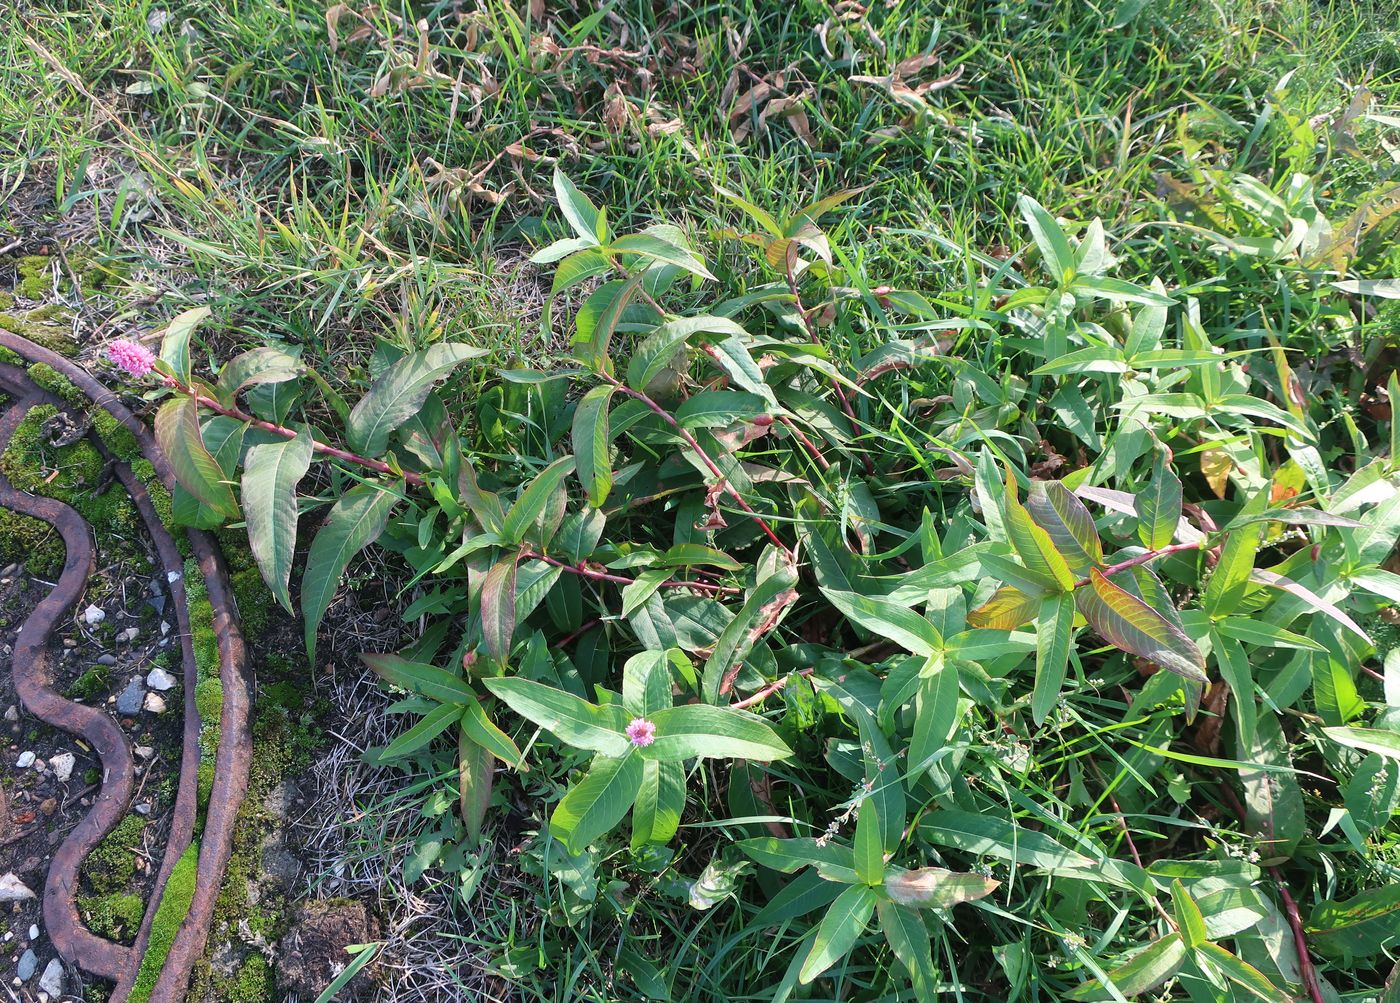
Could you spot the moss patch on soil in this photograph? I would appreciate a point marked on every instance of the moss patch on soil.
(111, 867)
(116, 916)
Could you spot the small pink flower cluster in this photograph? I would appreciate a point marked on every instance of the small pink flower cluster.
(641, 731)
(137, 360)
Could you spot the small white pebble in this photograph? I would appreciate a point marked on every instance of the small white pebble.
(25, 760)
(143, 809)
(172, 577)
(154, 703)
(33, 932)
(62, 764)
(92, 616)
(159, 679)
(144, 751)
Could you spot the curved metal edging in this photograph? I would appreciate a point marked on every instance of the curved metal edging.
(234, 754)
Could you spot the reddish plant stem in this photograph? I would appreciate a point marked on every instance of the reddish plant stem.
(710, 464)
(770, 689)
(810, 446)
(604, 576)
(1300, 943)
(1151, 555)
(289, 433)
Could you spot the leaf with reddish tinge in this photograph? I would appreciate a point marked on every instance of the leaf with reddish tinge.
(1126, 622)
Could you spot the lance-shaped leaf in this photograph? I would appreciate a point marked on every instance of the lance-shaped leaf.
(660, 800)
(597, 320)
(270, 479)
(1007, 609)
(1158, 507)
(1126, 622)
(418, 677)
(399, 392)
(257, 365)
(177, 434)
(355, 521)
(911, 631)
(175, 343)
(1054, 246)
(937, 888)
(597, 803)
(908, 937)
(483, 731)
(1242, 974)
(534, 499)
(1382, 743)
(762, 611)
(869, 854)
(577, 208)
(498, 606)
(1359, 927)
(1054, 634)
(1141, 973)
(1043, 562)
(590, 438)
(1273, 801)
(840, 928)
(476, 770)
(574, 720)
(705, 731)
(433, 724)
(1056, 510)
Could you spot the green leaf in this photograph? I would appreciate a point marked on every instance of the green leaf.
(1230, 580)
(654, 247)
(598, 319)
(574, 720)
(703, 730)
(363, 955)
(479, 727)
(561, 249)
(760, 216)
(1188, 916)
(646, 681)
(581, 213)
(731, 355)
(1055, 509)
(498, 606)
(1359, 927)
(658, 350)
(908, 938)
(937, 888)
(476, 771)
(912, 632)
(837, 862)
(1242, 974)
(1159, 507)
(178, 435)
(434, 723)
(1235, 670)
(597, 803)
(936, 717)
(532, 501)
(840, 928)
(579, 267)
(418, 677)
(355, 521)
(869, 854)
(1141, 973)
(997, 837)
(175, 343)
(761, 611)
(1383, 743)
(1273, 802)
(660, 800)
(1053, 244)
(270, 478)
(1054, 637)
(257, 365)
(1033, 544)
(591, 444)
(398, 394)
(1125, 621)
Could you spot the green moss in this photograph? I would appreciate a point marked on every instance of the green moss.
(44, 326)
(8, 355)
(174, 907)
(116, 916)
(117, 437)
(34, 280)
(50, 379)
(111, 866)
(254, 601)
(92, 684)
(30, 541)
(209, 700)
(6, 300)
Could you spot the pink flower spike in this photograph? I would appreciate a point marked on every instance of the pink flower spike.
(128, 355)
(641, 731)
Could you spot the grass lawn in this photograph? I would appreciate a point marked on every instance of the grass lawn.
(352, 184)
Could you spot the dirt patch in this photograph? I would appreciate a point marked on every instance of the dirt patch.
(313, 952)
